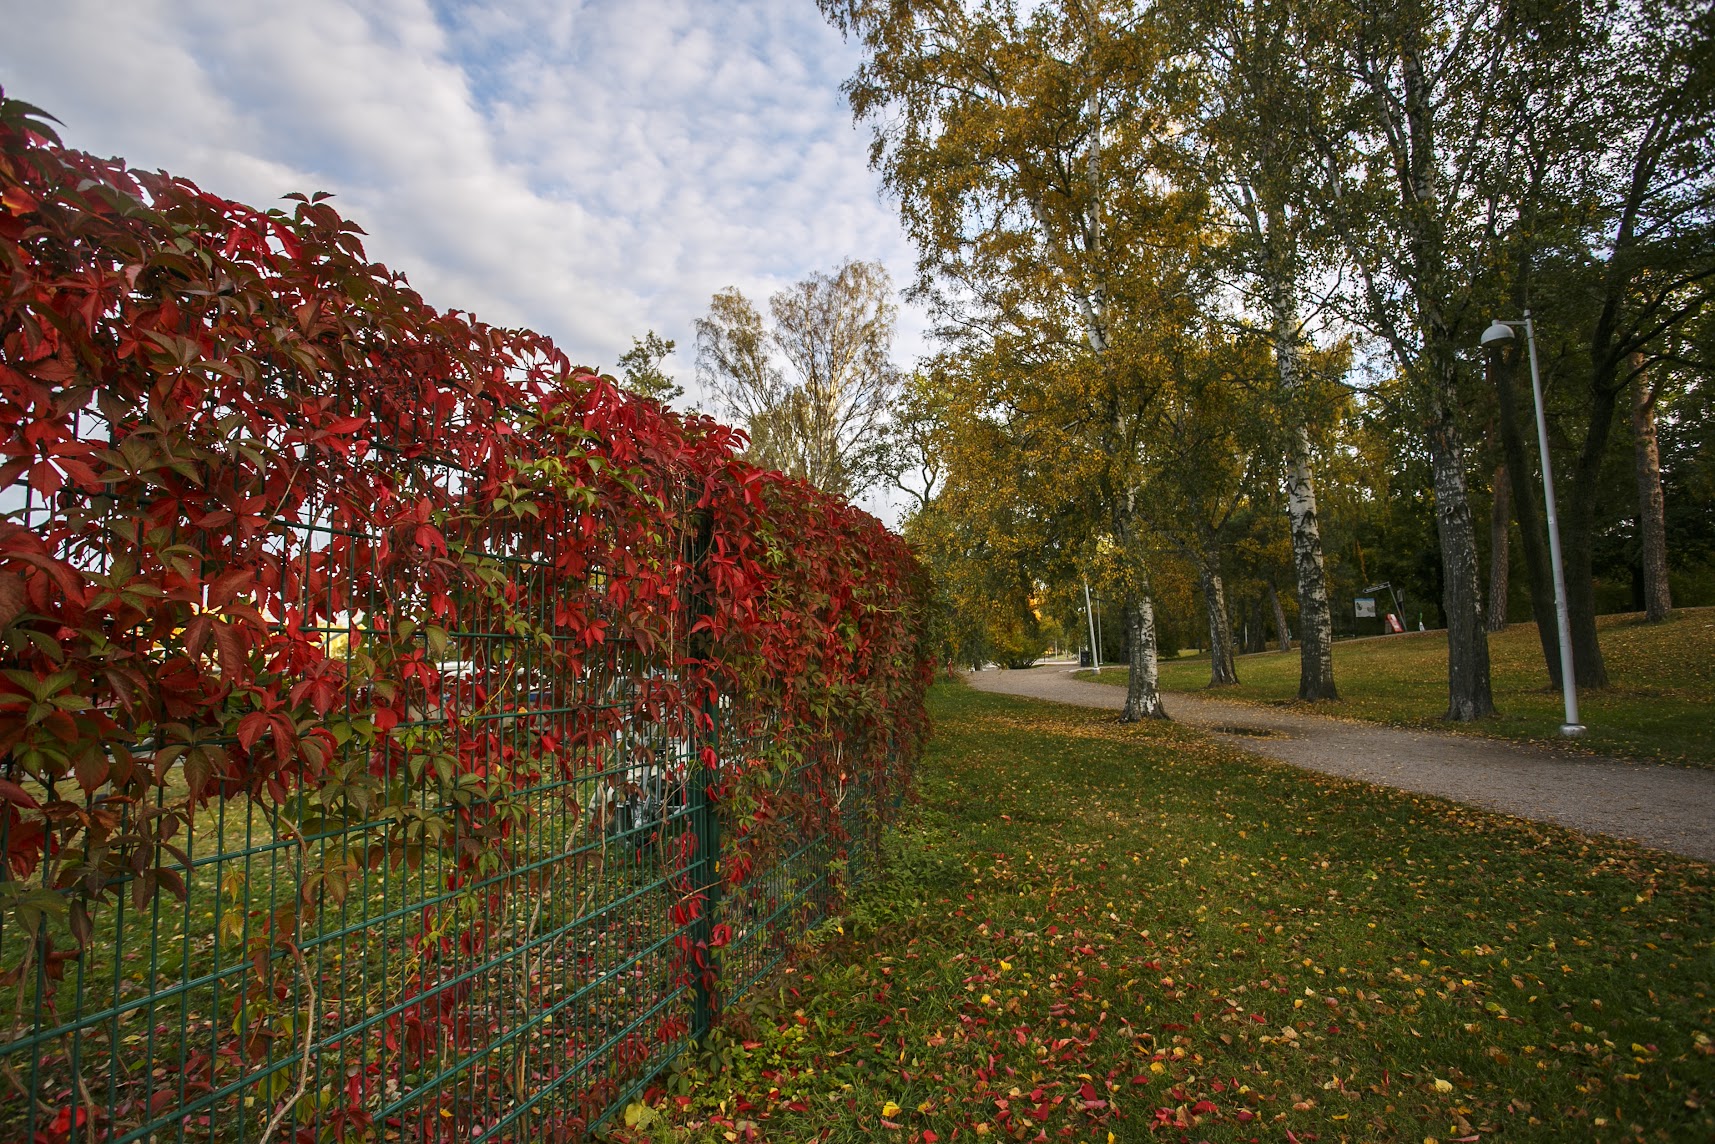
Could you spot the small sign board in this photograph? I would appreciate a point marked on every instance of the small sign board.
(1393, 624)
(1364, 607)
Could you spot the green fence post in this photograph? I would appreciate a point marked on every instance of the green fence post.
(705, 813)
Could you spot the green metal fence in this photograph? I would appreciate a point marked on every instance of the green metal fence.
(351, 957)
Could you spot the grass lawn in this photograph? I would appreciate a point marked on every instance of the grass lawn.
(1661, 704)
(1099, 932)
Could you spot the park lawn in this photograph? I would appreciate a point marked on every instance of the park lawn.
(1100, 932)
(1660, 705)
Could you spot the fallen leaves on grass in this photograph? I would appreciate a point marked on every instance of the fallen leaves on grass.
(1331, 961)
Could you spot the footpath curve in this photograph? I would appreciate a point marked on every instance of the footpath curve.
(1659, 806)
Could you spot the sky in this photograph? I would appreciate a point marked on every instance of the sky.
(587, 168)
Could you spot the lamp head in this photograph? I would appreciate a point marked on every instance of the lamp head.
(1498, 331)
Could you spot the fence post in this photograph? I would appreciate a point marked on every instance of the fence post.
(705, 817)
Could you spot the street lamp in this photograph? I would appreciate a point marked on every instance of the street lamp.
(1500, 331)
(1095, 642)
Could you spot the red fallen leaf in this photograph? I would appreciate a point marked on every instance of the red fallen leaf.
(1259, 1018)
(796, 1106)
(1203, 1107)
(886, 1123)
(929, 1137)
(1290, 1138)
(1245, 1115)
(64, 1119)
(1140, 1080)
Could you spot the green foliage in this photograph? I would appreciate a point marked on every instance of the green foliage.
(642, 372)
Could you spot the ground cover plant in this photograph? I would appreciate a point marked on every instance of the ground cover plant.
(1094, 931)
(1657, 706)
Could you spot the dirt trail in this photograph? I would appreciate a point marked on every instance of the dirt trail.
(1668, 808)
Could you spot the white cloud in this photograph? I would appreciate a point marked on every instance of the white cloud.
(588, 168)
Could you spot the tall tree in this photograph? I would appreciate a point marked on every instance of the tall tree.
(1027, 154)
(1207, 436)
(1653, 256)
(1652, 509)
(1407, 94)
(823, 417)
(1500, 547)
(641, 372)
(1244, 65)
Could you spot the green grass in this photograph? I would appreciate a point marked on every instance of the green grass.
(1659, 705)
(1104, 932)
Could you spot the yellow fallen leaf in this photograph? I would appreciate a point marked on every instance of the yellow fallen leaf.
(890, 1110)
(1443, 1085)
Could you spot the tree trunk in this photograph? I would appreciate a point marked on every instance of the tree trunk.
(1500, 551)
(1652, 510)
(1142, 698)
(1281, 631)
(1578, 539)
(1503, 375)
(1469, 696)
(1315, 618)
(1468, 691)
(1222, 673)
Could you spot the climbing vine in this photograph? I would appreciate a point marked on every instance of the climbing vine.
(260, 500)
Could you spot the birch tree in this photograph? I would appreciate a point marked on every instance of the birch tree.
(1243, 66)
(1026, 154)
(823, 415)
(1400, 138)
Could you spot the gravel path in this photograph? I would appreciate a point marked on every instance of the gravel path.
(1667, 808)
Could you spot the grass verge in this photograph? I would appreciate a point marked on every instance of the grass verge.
(1657, 707)
(1093, 931)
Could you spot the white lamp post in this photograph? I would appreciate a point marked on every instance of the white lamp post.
(1095, 645)
(1500, 331)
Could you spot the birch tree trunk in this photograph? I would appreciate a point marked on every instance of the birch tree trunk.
(1282, 633)
(1315, 619)
(1142, 693)
(1652, 509)
(1142, 689)
(1222, 673)
(1500, 549)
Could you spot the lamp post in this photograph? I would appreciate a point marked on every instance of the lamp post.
(1499, 331)
(1095, 646)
